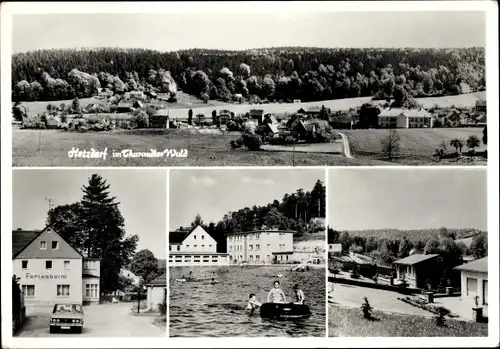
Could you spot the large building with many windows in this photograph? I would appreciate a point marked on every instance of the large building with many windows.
(50, 270)
(405, 118)
(194, 247)
(260, 247)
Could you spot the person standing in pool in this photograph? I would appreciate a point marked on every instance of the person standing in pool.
(276, 295)
(299, 294)
(253, 303)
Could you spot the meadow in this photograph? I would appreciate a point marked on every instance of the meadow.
(51, 147)
(417, 146)
(349, 322)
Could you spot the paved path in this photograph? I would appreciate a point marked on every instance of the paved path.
(105, 320)
(352, 296)
(347, 148)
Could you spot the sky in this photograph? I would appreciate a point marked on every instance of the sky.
(407, 199)
(141, 193)
(171, 32)
(213, 193)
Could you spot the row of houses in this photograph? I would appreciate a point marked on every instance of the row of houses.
(420, 271)
(260, 247)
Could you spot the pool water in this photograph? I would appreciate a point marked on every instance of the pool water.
(202, 309)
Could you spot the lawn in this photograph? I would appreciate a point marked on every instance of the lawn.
(203, 150)
(349, 322)
(417, 145)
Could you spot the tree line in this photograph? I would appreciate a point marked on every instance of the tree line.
(95, 227)
(385, 246)
(308, 74)
(293, 212)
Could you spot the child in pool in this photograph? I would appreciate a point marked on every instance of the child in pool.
(253, 303)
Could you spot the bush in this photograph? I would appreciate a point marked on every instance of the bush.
(251, 141)
(162, 307)
(367, 309)
(34, 122)
(141, 120)
(440, 318)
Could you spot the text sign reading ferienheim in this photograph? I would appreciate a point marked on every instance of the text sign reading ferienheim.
(45, 276)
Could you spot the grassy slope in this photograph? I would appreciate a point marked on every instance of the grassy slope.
(203, 150)
(348, 322)
(417, 145)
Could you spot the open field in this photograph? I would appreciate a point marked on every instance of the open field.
(417, 145)
(185, 102)
(203, 150)
(349, 322)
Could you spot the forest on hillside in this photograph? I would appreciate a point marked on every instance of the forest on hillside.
(293, 212)
(387, 245)
(280, 74)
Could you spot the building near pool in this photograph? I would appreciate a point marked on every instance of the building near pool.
(474, 281)
(157, 292)
(194, 247)
(50, 270)
(404, 118)
(260, 247)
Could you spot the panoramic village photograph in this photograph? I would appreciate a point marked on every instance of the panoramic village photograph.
(407, 253)
(90, 257)
(247, 253)
(400, 88)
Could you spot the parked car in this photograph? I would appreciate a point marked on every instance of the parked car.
(68, 316)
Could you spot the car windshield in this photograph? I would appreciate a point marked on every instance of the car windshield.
(68, 308)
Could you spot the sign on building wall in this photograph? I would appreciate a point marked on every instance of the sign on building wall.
(46, 276)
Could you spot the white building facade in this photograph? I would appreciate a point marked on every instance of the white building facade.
(50, 270)
(474, 281)
(405, 118)
(194, 247)
(260, 247)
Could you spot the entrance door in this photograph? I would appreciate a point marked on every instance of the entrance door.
(471, 287)
(485, 292)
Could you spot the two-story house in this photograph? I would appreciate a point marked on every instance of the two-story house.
(194, 247)
(50, 270)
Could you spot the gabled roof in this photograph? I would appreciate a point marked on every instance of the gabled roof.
(415, 259)
(479, 265)
(273, 128)
(178, 236)
(21, 242)
(159, 281)
(314, 109)
(256, 111)
(22, 238)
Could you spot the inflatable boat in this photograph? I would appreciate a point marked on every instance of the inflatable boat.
(284, 311)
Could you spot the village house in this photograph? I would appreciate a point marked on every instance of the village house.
(334, 250)
(260, 247)
(194, 247)
(418, 270)
(104, 93)
(465, 88)
(474, 281)
(138, 105)
(151, 94)
(257, 114)
(269, 130)
(404, 118)
(480, 106)
(270, 119)
(224, 117)
(136, 94)
(294, 120)
(161, 119)
(50, 270)
(156, 292)
(123, 107)
(238, 97)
